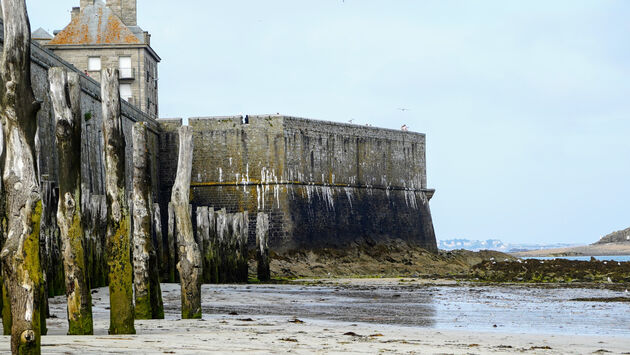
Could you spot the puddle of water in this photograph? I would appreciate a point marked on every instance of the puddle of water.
(479, 308)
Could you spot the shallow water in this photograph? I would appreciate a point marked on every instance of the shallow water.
(520, 309)
(585, 258)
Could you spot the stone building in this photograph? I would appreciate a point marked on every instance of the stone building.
(107, 36)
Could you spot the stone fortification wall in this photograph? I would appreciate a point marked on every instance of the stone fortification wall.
(322, 184)
(93, 200)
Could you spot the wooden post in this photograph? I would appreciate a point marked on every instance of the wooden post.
(157, 304)
(142, 238)
(212, 251)
(189, 265)
(221, 246)
(262, 246)
(65, 92)
(158, 240)
(118, 220)
(18, 113)
(203, 235)
(172, 247)
(242, 252)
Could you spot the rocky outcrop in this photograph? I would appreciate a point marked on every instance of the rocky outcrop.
(622, 236)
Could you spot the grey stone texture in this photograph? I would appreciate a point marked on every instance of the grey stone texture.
(322, 184)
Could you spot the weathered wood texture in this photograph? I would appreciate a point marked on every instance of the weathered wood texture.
(20, 254)
(206, 232)
(157, 304)
(65, 91)
(189, 265)
(94, 218)
(262, 246)
(118, 219)
(50, 241)
(242, 252)
(158, 238)
(143, 250)
(171, 246)
(222, 244)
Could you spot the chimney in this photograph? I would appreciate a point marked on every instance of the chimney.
(75, 12)
(85, 3)
(126, 10)
(147, 38)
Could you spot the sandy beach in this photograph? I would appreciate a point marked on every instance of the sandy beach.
(250, 330)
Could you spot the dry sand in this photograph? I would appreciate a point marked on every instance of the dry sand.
(280, 334)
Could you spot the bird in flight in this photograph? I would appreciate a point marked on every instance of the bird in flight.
(403, 109)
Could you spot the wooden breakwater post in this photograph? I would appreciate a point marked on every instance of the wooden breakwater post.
(242, 252)
(118, 219)
(222, 231)
(262, 246)
(190, 264)
(206, 231)
(65, 92)
(20, 254)
(148, 295)
(173, 275)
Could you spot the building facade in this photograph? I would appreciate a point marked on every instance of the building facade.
(107, 36)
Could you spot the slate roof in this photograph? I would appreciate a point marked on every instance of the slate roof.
(41, 33)
(95, 24)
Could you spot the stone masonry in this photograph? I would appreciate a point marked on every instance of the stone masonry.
(322, 184)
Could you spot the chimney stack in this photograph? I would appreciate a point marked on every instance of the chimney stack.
(85, 3)
(75, 12)
(126, 10)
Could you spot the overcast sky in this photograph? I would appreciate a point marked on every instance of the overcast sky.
(526, 104)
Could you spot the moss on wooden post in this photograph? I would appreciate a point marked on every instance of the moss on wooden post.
(6, 310)
(66, 99)
(118, 219)
(189, 265)
(146, 283)
(18, 113)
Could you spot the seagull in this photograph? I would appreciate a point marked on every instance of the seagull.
(404, 128)
(403, 109)
(609, 279)
(350, 121)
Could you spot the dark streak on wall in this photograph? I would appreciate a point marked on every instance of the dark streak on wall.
(323, 184)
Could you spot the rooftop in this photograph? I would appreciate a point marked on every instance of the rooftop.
(96, 24)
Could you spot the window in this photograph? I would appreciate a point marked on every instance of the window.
(125, 92)
(124, 66)
(94, 64)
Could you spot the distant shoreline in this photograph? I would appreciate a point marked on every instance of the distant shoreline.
(608, 249)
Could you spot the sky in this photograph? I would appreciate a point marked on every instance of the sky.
(525, 104)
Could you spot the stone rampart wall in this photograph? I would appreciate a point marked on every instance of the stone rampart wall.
(322, 184)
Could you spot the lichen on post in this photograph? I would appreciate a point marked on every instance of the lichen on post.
(142, 239)
(65, 92)
(189, 265)
(18, 113)
(262, 246)
(118, 219)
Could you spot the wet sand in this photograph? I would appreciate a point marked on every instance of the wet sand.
(357, 316)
